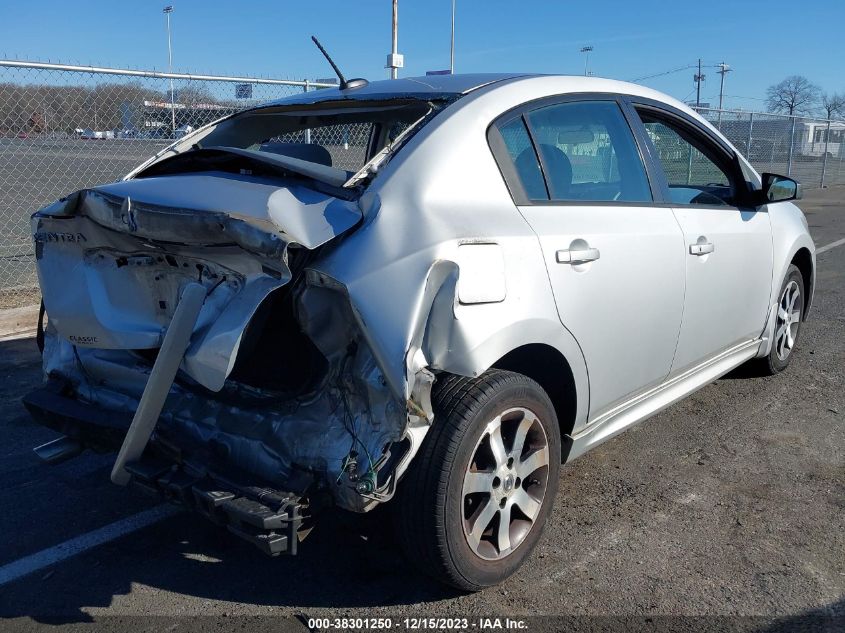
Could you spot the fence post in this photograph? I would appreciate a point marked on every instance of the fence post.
(824, 158)
(748, 144)
(307, 131)
(791, 148)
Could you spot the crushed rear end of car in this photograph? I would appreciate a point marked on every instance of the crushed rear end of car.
(275, 406)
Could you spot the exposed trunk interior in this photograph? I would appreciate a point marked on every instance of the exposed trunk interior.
(275, 354)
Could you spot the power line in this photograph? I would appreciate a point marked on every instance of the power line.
(688, 95)
(674, 70)
(666, 72)
(742, 97)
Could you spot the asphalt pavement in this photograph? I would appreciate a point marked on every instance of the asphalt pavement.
(726, 506)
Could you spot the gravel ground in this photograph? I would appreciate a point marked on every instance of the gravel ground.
(728, 505)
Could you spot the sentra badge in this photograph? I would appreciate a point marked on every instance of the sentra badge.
(45, 236)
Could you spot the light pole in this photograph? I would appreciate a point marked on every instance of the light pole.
(586, 50)
(452, 46)
(167, 11)
(395, 61)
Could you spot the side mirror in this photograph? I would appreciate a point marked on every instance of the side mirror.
(779, 189)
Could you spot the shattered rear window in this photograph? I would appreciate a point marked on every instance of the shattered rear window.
(341, 136)
(346, 143)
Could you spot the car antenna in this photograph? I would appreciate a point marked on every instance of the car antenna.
(345, 84)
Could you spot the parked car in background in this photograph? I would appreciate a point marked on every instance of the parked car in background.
(96, 135)
(183, 130)
(426, 292)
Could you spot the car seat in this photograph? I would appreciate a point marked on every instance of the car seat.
(558, 165)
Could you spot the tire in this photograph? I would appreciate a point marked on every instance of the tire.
(439, 515)
(791, 305)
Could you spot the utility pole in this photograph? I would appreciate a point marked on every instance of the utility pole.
(452, 46)
(586, 50)
(395, 61)
(724, 69)
(167, 11)
(698, 78)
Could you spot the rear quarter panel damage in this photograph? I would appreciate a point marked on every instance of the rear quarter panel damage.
(402, 267)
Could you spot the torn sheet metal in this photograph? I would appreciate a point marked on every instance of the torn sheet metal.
(113, 260)
(301, 444)
(287, 214)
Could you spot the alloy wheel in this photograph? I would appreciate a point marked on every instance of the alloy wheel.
(505, 483)
(788, 320)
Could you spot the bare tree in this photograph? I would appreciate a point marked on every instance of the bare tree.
(833, 105)
(794, 95)
(195, 94)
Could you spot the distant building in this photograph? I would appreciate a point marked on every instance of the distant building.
(155, 116)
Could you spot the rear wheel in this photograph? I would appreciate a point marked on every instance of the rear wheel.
(476, 498)
(790, 312)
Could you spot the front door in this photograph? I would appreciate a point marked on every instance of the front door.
(727, 248)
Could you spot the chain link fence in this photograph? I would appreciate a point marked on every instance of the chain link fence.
(810, 150)
(63, 128)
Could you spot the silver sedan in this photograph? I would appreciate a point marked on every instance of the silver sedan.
(431, 292)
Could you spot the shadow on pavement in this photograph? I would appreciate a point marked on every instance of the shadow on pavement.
(187, 566)
(827, 619)
(341, 564)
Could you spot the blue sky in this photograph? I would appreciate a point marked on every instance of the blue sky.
(763, 41)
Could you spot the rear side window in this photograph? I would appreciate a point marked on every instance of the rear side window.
(524, 158)
(588, 152)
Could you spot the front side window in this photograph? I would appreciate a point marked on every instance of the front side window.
(588, 152)
(692, 170)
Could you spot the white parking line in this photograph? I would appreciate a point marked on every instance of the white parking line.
(52, 555)
(827, 247)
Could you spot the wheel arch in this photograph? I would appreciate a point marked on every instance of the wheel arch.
(803, 259)
(549, 368)
(801, 253)
(539, 348)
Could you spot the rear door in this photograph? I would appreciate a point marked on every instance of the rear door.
(615, 260)
(727, 247)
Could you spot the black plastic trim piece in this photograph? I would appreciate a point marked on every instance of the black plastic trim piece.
(269, 519)
(97, 428)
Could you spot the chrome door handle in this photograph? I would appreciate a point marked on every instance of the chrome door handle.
(701, 249)
(577, 256)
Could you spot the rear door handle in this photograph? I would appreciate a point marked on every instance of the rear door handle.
(701, 248)
(577, 256)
